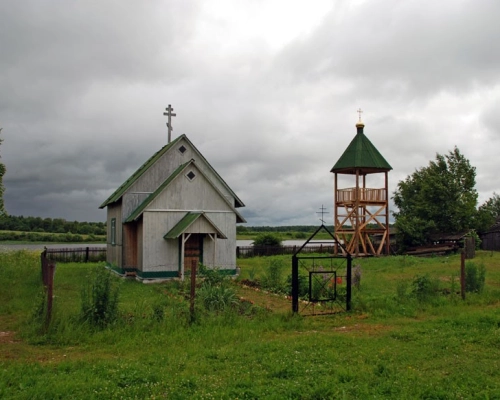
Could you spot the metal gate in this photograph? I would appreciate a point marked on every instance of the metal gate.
(321, 284)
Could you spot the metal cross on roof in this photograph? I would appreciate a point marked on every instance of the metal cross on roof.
(169, 114)
(322, 212)
(359, 112)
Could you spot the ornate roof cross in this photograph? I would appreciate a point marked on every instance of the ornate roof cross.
(169, 114)
(322, 212)
(359, 112)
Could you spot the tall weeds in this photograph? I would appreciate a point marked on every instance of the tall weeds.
(99, 296)
(474, 277)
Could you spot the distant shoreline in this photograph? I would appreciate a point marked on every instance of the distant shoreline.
(41, 246)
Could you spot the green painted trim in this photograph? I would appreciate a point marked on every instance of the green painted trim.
(157, 274)
(113, 231)
(138, 211)
(238, 202)
(118, 193)
(115, 268)
(182, 225)
(120, 270)
(228, 272)
(187, 221)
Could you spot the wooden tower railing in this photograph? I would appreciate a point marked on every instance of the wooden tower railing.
(365, 195)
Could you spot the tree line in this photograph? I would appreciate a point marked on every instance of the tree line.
(56, 225)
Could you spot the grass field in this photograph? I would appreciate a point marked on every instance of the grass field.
(410, 336)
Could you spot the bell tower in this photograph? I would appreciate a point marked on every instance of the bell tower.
(361, 211)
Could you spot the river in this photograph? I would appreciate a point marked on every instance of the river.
(40, 247)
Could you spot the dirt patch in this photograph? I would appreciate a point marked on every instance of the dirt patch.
(7, 337)
(370, 329)
(270, 301)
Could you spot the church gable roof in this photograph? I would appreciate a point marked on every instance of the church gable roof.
(118, 193)
(362, 155)
(142, 207)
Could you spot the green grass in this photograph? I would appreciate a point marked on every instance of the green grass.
(390, 346)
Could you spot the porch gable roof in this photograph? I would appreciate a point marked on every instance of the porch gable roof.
(187, 221)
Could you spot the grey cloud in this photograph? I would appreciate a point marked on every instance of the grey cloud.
(84, 87)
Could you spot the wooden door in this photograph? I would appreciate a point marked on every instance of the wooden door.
(192, 251)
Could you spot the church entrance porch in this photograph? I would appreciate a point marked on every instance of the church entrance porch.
(193, 251)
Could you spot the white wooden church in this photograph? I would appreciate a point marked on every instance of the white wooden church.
(175, 209)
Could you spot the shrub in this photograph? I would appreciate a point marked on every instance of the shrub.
(272, 279)
(100, 300)
(474, 277)
(211, 276)
(303, 285)
(217, 298)
(267, 239)
(215, 292)
(423, 287)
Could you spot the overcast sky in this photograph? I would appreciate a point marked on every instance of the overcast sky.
(267, 90)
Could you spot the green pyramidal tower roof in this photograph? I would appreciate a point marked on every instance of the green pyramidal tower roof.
(361, 155)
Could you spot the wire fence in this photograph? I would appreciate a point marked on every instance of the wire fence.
(95, 254)
(256, 251)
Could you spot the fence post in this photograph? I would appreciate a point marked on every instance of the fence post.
(237, 251)
(349, 281)
(462, 274)
(295, 284)
(193, 289)
(48, 270)
(87, 254)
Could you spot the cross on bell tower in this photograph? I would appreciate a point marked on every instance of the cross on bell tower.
(359, 111)
(169, 114)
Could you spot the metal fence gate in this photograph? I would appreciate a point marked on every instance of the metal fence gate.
(321, 284)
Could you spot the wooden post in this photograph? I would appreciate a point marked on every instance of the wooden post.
(193, 289)
(48, 271)
(349, 283)
(462, 274)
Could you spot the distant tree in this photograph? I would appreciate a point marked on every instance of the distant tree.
(241, 229)
(267, 239)
(487, 213)
(438, 198)
(2, 189)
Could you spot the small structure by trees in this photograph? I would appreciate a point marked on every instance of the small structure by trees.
(435, 199)
(488, 214)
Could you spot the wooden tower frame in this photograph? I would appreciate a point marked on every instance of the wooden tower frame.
(360, 211)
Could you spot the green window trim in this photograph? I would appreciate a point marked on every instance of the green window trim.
(113, 231)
